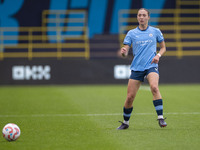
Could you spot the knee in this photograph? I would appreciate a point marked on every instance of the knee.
(154, 89)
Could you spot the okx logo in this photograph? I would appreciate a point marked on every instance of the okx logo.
(28, 72)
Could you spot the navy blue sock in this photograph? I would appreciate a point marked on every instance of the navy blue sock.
(127, 113)
(158, 106)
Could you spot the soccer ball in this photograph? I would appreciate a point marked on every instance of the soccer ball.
(11, 132)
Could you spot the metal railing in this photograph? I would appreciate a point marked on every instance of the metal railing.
(56, 38)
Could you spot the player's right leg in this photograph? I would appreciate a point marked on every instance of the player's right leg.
(133, 86)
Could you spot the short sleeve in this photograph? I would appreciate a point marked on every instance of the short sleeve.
(160, 37)
(127, 39)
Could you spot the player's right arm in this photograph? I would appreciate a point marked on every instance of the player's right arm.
(124, 50)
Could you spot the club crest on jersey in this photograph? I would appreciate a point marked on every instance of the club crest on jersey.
(150, 34)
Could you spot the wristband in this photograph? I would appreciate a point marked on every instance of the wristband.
(159, 54)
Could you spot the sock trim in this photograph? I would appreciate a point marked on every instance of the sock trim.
(160, 117)
(126, 122)
(159, 107)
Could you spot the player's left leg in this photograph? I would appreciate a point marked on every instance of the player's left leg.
(153, 78)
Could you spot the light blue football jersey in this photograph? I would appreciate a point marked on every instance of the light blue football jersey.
(144, 43)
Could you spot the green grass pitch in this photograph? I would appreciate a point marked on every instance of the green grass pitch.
(85, 117)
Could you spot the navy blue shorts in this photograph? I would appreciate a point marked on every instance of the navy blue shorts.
(140, 75)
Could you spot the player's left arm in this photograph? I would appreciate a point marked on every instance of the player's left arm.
(160, 53)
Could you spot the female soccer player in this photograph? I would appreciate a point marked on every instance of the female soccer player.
(144, 40)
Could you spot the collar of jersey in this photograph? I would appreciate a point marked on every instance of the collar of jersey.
(143, 30)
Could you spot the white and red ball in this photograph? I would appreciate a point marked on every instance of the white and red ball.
(11, 132)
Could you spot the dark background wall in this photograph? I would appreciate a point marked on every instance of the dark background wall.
(97, 71)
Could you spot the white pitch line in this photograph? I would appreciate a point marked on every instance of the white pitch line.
(87, 115)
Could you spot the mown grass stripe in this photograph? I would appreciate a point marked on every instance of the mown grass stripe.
(85, 115)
